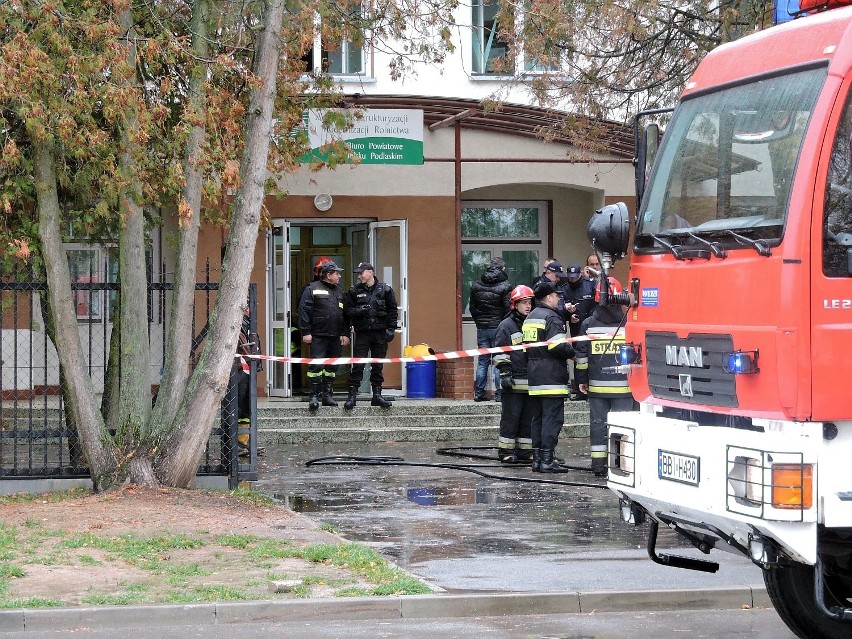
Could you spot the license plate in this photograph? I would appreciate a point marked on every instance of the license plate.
(676, 467)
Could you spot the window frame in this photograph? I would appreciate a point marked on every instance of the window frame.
(498, 245)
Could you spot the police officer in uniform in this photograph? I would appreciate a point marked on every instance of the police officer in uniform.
(515, 443)
(547, 371)
(324, 327)
(608, 390)
(370, 307)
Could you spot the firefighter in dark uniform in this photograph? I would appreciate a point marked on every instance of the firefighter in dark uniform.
(547, 372)
(607, 389)
(370, 307)
(324, 327)
(579, 293)
(514, 444)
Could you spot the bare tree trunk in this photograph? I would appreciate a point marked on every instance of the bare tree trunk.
(183, 450)
(101, 458)
(132, 429)
(179, 345)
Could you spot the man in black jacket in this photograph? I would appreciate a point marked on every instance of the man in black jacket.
(489, 304)
(324, 327)
(370, 307)
(547, 372)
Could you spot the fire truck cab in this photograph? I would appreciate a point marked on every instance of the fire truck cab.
(739, 337)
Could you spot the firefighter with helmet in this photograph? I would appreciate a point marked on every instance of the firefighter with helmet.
(547, 371)
(514, 444)
(594, 365)
(325, 329)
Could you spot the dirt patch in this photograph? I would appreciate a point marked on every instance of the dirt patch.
(157, 546)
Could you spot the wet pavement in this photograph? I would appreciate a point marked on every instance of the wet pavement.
(466, 532)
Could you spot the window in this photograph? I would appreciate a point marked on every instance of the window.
(515, 231)
(487, 45)
(338, 54)
(837, 217)
(727, 164)
(91, 267)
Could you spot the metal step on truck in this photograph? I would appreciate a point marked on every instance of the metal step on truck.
(738, 342)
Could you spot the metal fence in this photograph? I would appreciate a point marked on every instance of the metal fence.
(38, 439)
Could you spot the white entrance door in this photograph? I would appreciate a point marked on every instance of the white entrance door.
(385, 246)
(389, 254)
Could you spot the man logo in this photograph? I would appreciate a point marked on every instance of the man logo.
(685, 382)
(691, 356)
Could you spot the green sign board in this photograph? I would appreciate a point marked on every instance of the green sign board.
(378, 136)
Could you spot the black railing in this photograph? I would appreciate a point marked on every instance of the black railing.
(38, 438)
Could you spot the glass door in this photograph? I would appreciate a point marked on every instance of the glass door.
(389, 254)
(281, 341)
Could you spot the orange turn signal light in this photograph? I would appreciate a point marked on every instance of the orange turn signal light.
(792, 486)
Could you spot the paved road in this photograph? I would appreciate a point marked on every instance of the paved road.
(466, 533)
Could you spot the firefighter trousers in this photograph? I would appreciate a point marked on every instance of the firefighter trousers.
(547, 418)
(599, 407)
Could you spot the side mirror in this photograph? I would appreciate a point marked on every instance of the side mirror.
(646, 150)
(609, 230)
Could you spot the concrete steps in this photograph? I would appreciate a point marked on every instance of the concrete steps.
(412, 420)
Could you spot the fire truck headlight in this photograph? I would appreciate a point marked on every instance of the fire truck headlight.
(741, 362)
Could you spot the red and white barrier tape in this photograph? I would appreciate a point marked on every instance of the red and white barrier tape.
(333, 361)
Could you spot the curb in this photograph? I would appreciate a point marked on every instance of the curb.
(440, 606)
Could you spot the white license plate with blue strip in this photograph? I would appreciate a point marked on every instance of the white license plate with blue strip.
(685, 469)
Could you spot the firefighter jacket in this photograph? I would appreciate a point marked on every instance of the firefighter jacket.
(489, 298)
(321, 310)
(547, 366)
(371, 309)
(513, 363)
(596, 357)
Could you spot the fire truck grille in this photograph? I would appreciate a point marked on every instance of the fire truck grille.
(690, 370)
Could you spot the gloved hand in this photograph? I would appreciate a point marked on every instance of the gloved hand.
(506, 382)
(389, 335)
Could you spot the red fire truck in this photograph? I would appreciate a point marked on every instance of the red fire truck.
(739, 337)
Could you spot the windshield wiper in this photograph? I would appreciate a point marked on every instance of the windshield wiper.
(715, 247)
(679, 252)
(758, 245)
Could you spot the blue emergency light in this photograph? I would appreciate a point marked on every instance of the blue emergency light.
(741, 363)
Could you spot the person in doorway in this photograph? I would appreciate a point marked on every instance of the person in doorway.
(371, 309)
(489, 304)
(596, 358)
(324, 327)
(547, 372)
(514, 444)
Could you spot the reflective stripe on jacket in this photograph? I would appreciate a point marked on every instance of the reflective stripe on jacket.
(547, 366)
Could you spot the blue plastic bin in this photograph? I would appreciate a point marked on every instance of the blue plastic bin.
(421, 379)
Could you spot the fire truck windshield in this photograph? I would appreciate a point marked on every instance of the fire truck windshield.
(727, 164)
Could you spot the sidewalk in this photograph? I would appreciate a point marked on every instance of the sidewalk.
(416, 606)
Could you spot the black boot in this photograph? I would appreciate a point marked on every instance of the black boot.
(327, 395)
(536, 460)
(548, 465)
(378, 400)
(599, 466)
(349, 404)
(313, 400)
